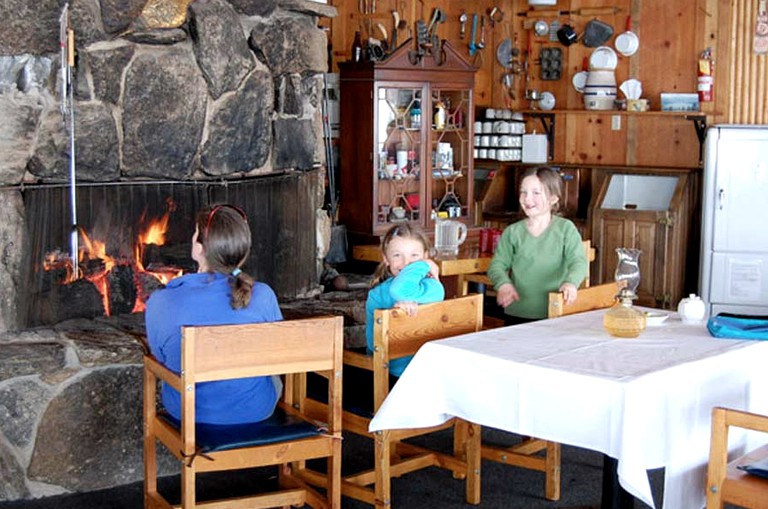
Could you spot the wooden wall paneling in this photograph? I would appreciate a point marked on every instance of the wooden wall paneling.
(746, 72)
(590, 139)
(666, 141)
(669, 48)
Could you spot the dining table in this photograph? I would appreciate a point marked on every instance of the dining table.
(645, 402)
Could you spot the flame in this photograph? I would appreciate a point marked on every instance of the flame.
(93, 256)
(96, 250)
(153, 234)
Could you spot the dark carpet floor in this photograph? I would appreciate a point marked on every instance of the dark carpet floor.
(502, 486)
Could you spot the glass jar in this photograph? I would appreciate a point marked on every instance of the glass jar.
(623, 320)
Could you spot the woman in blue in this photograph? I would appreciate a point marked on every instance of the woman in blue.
(405, 278)
(219, 293)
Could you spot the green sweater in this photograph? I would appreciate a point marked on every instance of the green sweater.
(538, 265)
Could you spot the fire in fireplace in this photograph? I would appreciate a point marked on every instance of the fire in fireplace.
(122, 282)
(135, 236)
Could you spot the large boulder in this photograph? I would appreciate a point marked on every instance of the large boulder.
(164, 103)
(222, 51)
(240, 129)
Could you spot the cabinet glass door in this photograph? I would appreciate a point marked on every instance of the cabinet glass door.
(398, 155)
(450, 192)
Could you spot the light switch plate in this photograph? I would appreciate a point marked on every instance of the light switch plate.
(615, 122)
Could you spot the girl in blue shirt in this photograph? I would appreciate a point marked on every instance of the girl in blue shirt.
(220, 293)
(405, 278)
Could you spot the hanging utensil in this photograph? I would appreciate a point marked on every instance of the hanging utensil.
(580, 78)
(472, 45)
(596, 33)
(627, 43)
(504, 53)
(481, 44)
(463, 20)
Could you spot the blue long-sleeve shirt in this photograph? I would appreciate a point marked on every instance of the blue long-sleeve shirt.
(204, 299)
(412, 285)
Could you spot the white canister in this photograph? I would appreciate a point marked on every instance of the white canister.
(692, 309)
(490, 113)
(482, 153)
(485, 141)
(478, 127)
(600, 90)
(487, 127)
(491, 153)
(477, 141)
(494, 141)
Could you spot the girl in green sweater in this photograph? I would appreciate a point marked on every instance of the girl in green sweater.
(540, 254)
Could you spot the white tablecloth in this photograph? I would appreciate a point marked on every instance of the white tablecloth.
(646, 401)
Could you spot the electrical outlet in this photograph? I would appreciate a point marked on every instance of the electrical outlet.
(615, 122)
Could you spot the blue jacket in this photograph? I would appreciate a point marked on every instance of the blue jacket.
(204, 299)
(411, 284)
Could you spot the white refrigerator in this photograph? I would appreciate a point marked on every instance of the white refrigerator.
(734, 237)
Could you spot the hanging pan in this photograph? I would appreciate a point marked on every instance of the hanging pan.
(628, 42)
(596, 33)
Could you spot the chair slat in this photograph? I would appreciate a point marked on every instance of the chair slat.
(302, 348)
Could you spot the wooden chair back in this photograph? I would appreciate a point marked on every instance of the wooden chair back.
(726, 484)
(594, 297)
(396, 335)
(212, 353)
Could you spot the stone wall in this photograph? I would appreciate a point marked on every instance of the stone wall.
(71, 400)
(210, 90)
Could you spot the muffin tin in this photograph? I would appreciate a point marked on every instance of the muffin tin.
(551, 58)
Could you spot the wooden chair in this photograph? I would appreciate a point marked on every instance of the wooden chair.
(398, 335)
(726, 484)
(286, 439)
(594, 297)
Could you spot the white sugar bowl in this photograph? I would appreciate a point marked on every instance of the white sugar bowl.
(692, 309)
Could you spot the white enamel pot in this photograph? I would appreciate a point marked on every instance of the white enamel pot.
(627, 43)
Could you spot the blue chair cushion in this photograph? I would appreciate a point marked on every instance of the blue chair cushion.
(279, 427)
(759, 468)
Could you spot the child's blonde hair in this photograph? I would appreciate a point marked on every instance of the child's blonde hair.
(405, 231)
(552, 181)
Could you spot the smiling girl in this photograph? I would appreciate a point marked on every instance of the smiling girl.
(405, 278)
(542, 253)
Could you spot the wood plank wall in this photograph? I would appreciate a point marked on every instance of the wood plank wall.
(747, 72)
(672, 35)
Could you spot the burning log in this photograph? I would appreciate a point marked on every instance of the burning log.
(78, 299)
(122, 289)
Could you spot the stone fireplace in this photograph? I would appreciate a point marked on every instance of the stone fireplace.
(191, 101)
(231, 97)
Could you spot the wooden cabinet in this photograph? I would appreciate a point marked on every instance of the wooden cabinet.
(405, 141)
(651, 211)
(497, 200)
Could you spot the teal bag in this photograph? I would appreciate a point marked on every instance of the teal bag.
(733, 326)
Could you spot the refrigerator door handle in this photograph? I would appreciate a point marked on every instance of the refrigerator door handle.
(721, 198)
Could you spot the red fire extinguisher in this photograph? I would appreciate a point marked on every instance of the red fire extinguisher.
(706, 79)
